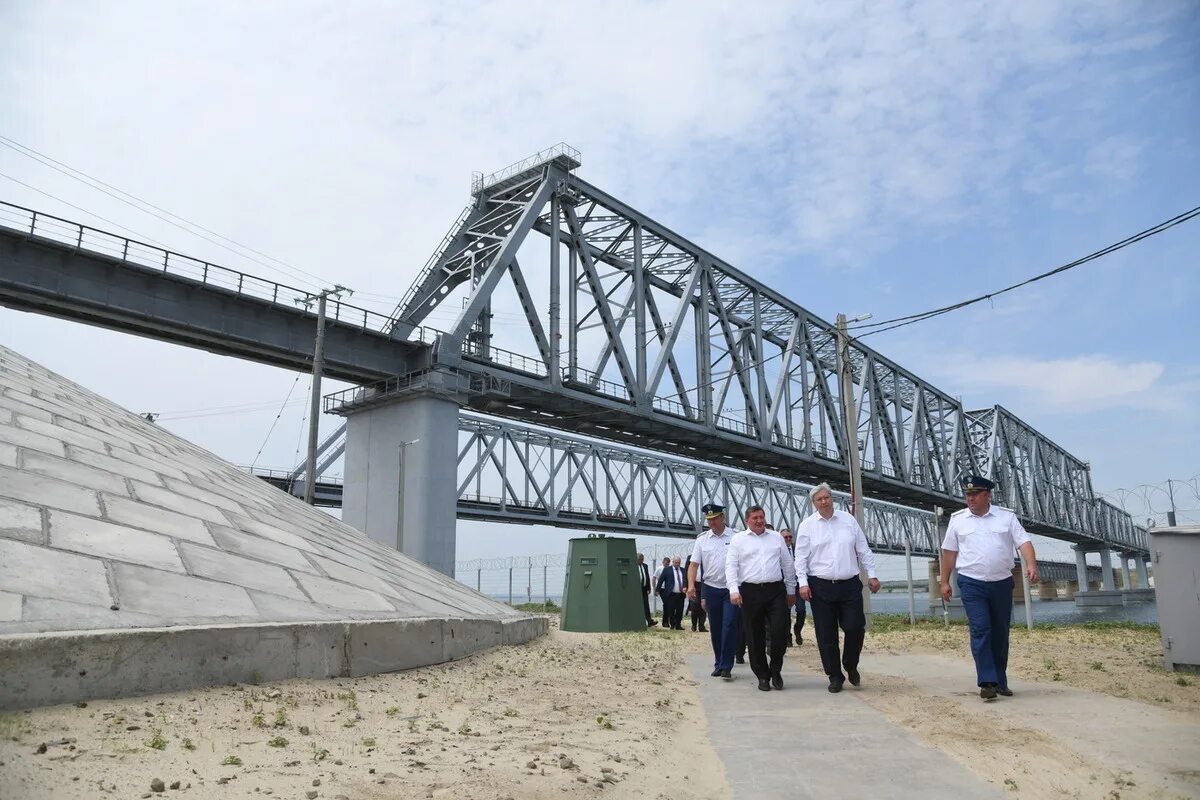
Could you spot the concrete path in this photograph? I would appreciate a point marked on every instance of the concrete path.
(848, 749)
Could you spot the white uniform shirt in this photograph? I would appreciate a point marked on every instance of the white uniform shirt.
(985, 544)
(758, 558)
(709, 556)
(832, 548)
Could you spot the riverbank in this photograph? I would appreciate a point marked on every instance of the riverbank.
(568, 715)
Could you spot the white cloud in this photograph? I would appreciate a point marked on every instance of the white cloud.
(1082, 383)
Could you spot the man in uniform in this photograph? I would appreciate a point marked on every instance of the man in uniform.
(761, 579)
(831, 549)
(980, 541)
(708, 571)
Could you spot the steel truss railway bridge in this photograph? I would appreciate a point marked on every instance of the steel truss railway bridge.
(576, 313)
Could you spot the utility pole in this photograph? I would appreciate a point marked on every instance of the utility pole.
(850, 412)
(314, 411)
(1171, 513)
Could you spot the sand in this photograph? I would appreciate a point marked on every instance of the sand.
(617, 715)
(570, 715)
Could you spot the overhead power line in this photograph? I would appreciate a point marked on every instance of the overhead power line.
(912, 319)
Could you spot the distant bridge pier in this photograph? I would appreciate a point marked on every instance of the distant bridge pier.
(1107, 594)
(401, 467)
(1071, 590)
(1139, 591)
(1047, 590)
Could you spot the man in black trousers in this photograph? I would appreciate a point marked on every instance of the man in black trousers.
(830, 550)
(671, 587)
(762, 581)
(644, 571)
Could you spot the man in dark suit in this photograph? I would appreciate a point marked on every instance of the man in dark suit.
(671, 587)
(644, 571)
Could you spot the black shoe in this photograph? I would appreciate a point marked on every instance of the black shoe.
(1004, 691)
(740, 660)
(716, 673)
(652, 623)
(777, 681)
(764, 685)
(988, 691)
(693, 629)
(727, 674)
(835, 687)
(855, 678)
(703, 629)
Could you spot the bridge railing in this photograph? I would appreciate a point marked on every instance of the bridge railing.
(148, 256)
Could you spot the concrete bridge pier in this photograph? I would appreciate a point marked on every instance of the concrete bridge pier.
(1047, 590)
(401, 471)
(1107, 594)
(1071, 590)
(1138, 591)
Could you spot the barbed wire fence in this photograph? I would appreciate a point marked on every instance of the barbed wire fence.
(540, 578)
(1173, 501)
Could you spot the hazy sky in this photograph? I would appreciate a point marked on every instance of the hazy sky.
(884, 157)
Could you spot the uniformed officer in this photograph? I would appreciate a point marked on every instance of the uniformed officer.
(708, 567)
(980, 540)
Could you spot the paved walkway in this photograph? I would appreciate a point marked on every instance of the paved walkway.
(848, 749)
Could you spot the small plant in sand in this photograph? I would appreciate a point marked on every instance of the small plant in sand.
(231, 761)
(277, 741)
(350, 698)
(1182, 681)
(412, 725)
(464, 729)
(188, 744)
(255, 678)
(604, 722)
(1098, 666)
(157, 742)
(258, 720)
(511, 712)
(319, 753)
(281, 718)
(393, 711)
(368, 742)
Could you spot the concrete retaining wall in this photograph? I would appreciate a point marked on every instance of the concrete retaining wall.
(51, 668)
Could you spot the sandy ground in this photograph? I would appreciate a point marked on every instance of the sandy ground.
(570, 715)
(1095, 716)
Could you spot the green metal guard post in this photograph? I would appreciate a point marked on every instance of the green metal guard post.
(603, 585)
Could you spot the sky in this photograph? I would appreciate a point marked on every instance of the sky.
(879, 158)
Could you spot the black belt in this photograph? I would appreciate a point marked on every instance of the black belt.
(812, 578)
(768, 583)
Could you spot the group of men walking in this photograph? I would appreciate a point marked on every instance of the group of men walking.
(748, 580)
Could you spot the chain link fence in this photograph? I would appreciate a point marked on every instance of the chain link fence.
(541, 578)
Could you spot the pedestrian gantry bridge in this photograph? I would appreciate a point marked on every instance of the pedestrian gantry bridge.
(572, 311)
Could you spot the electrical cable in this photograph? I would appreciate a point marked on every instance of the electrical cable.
(83, 210)
(911, 319)
(254, 463)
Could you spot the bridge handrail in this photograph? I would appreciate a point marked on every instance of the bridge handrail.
(132, 251)
(479, 181)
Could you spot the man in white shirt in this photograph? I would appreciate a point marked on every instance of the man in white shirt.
(980, 540)
(708, 571)
(761, 579)
(831, 549)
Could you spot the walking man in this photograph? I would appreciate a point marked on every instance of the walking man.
(801, 610)
(830, 550)
(672, 588)
(644, 572)
(980, 541)
(761, 579)
(707, 571)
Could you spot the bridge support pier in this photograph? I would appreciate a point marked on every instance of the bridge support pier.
(401, 470)
(1107, 595)
(1072, 588)
(1143, 575)
(1138, 591)
(1047, 590)
(1125, 581)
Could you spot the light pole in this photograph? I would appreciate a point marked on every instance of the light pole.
(850, 413)
(314, 412)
